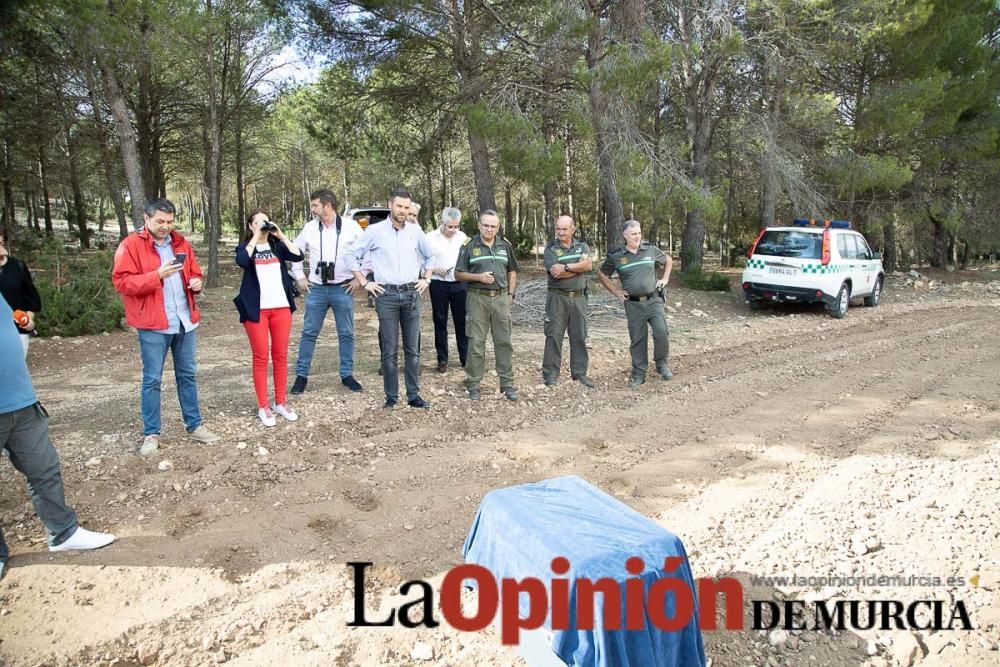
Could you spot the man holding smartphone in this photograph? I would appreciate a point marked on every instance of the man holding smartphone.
(446, 292)
(158, 277)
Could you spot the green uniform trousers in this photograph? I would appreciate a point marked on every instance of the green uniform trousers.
(643, 314)
(486, 315)
(564, 313)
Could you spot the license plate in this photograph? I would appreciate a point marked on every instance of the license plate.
(781, 271)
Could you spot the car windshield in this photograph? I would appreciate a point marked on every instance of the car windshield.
(790, 243)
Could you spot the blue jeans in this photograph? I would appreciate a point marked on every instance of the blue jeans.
(319, 299)
(154, 347)
(399, 310)
(24, 434)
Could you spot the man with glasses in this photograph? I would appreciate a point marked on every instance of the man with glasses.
(488, 264)
(446, 291)
(158, 277)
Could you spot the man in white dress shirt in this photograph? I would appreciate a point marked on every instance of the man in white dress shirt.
(329, 240)
(446, 292)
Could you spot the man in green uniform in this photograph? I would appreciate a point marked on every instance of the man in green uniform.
(643, 296)
(489, 266)
(567, 261)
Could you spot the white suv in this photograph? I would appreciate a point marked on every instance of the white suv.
(813, 260)
(368, 215)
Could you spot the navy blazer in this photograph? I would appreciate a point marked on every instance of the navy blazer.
(248, 300)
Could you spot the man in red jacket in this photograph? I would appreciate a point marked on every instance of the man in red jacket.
(158, 277)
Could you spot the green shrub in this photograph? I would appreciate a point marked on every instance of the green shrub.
(697, 279)
(77, 295)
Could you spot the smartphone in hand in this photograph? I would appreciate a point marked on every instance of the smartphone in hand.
(179, 258)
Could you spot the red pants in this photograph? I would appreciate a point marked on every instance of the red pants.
(277, 322)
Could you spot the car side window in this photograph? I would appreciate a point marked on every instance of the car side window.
(864, 250)
(846, 251)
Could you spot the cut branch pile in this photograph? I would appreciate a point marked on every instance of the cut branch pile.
(529, 308)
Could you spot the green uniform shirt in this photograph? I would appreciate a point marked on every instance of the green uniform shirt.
(477, 257)
(638, 271)
(556, 253)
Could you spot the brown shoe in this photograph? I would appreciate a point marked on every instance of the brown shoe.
(442, 366)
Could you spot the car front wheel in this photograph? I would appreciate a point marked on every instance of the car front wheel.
(872, 300)
(839, 306)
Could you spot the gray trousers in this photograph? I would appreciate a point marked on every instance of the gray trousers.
(24, 434)
(642, 316)
(562, 314)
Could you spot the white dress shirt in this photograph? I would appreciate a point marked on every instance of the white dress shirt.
(446, 252)
(334, 247)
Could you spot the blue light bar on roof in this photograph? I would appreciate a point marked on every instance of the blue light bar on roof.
(836, 224)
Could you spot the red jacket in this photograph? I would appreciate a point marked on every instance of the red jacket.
(135, 276)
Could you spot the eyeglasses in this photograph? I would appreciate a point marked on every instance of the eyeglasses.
(451, 226)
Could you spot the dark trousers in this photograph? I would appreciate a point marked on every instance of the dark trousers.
(399, 311)
(446, 295)
(24, 434)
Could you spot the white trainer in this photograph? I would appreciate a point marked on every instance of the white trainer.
(84, 540)
(266, 417)
(203, 435)
(286, 412)
(150, 445)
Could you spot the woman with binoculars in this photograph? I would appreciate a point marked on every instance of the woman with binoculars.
(265, 304)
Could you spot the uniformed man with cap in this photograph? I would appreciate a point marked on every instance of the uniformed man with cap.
(643, 296)
(488, 264)
(567, 261)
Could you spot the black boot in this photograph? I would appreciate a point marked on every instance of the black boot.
(300, 384)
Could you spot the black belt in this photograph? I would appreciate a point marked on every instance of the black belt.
(487, 292)
(570, 293)
(646, 297)
(400, 288)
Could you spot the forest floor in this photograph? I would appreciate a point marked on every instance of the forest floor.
(789, 443)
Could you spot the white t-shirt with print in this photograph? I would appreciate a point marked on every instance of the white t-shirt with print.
(269, 268)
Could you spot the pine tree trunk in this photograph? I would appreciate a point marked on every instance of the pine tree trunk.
(614, 210)
(126, 143)
(79, 203)
(9, 216)
(939, 251)
(481, 170)
(46, 204)
(214, 181)
(508, 207)
(103, 141)
(241, 198)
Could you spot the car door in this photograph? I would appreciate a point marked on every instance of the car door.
(867, 269)
(845, 263)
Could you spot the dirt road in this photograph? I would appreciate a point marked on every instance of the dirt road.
(785, 441)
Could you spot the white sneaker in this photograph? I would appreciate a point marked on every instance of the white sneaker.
(202, 434)
(84, 540)
(286, 412)
(150, 445)
(266, 416)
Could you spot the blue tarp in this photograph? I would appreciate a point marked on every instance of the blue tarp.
(519, 530)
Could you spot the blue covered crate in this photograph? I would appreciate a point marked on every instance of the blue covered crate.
(519, 530)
